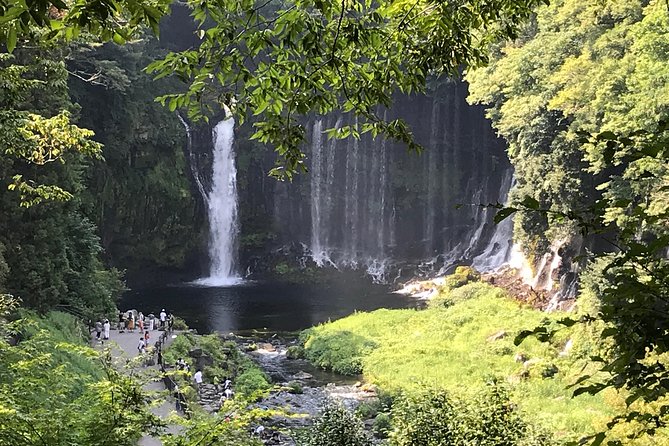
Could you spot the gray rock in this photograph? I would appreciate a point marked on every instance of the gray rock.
(302, 375)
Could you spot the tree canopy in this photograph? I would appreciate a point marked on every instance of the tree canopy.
(279, 61)
(581, 97)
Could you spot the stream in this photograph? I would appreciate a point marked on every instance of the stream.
(263, 318)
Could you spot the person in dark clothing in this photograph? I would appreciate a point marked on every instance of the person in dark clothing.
(98, 329)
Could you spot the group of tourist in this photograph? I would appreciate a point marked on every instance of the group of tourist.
(130, 321)
(102, 329)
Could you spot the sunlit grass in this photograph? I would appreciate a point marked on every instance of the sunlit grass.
(450, 346)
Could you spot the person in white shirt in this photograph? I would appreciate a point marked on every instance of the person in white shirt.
(198, 379)
(141, 347)
(163, 318)
(106, 327)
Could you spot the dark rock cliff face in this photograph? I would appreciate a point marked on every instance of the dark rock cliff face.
(364, 204)
(369, 204)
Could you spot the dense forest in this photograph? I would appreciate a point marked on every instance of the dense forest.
(106, 114)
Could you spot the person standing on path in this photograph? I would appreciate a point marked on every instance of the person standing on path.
(98, 329)
(152, 321)
(140, 321)
(106, 326)
(163, 318)
(141, 347)
(198, 380)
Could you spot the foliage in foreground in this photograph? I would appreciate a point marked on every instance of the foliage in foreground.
(434, 418)
(55, 391)
(336, 426)
(230, 427)
(284, 61)
(448, 346)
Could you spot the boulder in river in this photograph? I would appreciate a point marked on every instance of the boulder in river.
(302, 375)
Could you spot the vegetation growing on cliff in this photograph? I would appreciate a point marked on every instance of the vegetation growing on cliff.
(581, 98)
(465, 338)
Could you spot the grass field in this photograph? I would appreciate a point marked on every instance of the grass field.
(464, 338)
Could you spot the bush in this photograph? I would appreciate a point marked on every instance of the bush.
(382, 425)
(424, 419)
(432, 418)
(179, 324)
(368, 410)
(295, 387)
(295, 352)
(491, 419)
(462, 276)
(251, 383)
(337, 426)
(340, 351)
(179, 348)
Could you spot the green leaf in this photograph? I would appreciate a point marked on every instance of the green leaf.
(504, 213)
(11, 39)
(118, 39)
(530, 203)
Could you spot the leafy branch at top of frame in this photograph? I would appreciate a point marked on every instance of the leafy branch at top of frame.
(313, 57)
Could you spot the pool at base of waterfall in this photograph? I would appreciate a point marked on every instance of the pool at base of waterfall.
(270, 306)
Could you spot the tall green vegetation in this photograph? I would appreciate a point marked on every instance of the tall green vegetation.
(50, 249)
(56, 391)
(139, 194)
(580, 67)
(581, 98)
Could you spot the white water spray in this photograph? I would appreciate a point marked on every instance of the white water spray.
(222, 204)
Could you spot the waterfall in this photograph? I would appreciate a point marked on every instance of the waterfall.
(222, 206)
(317, 202)
(350, 223)
(351, 206)
(498, 251)
(368, 204)
(192, 161)
(431, 177)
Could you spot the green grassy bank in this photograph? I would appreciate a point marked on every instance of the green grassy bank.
(464, 338)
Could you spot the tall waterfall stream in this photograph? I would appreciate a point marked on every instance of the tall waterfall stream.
(223, 210)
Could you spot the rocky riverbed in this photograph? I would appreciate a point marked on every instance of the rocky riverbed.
(299, 392)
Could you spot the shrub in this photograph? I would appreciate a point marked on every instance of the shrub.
(432, 418)
(336, 426)
(251, 383)
(340, 351)
(368, 409)
(212, 345)
(382, 425)
(295, 352)
(462, 276)
(424, 419)
(179, 348)
(295, 387)
(179, 324)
